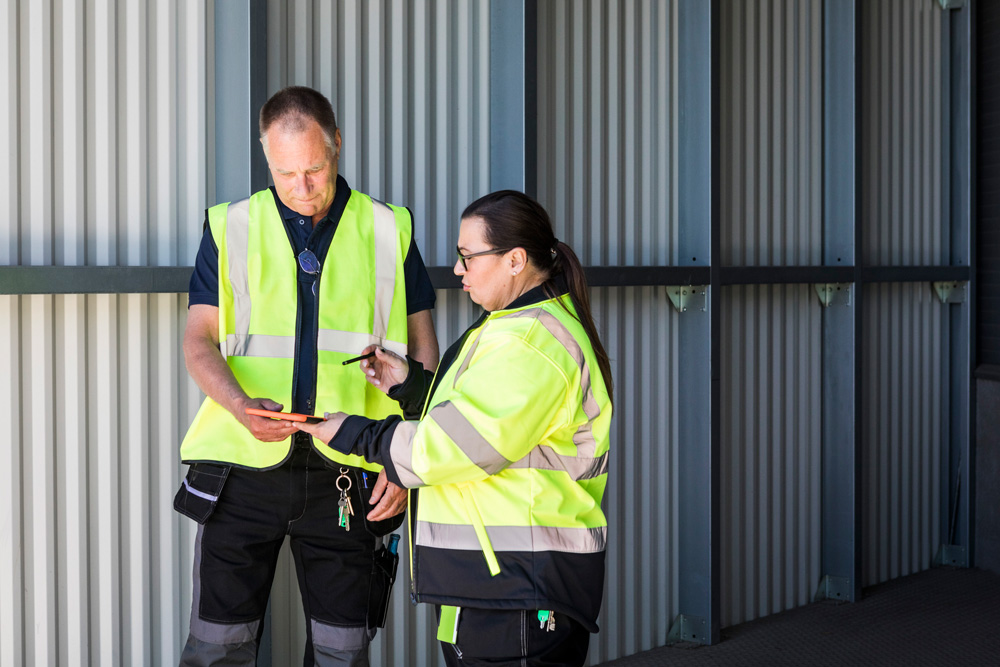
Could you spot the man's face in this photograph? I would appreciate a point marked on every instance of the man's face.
(303, 169)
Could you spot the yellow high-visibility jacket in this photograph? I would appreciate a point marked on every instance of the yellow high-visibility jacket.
(510, 463)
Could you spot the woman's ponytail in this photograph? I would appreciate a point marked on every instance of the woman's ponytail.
(567, 263)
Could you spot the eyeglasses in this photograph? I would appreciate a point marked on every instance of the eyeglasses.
(310, 264)
(495, 251)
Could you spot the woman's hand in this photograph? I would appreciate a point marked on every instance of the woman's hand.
(385, 370)
(324, 430)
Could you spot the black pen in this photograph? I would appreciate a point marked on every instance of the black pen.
(363, 356)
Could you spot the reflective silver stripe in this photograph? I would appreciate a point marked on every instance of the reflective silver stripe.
(201, 494)
(469, 440)
(350, 342)
(283, 347)
(468, 357)
(261, 345)
(237, 248)
(207, 631)
(401, 453)
(512, 538)
(385, 267)
(336, 637)
(584, 439)
(578, 468)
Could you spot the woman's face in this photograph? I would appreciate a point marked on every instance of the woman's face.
(487, 278)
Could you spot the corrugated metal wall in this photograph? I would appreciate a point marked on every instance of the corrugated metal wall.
(905, 221)
(903, 148)
(103, 163)
(638, 326)
(771, 96)
(904, 422)
(95, 565)
(771, 215)
(770, 450)
(607, 128)
(105, 114)
(409, 82)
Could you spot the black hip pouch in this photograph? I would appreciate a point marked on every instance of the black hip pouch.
(384, 565)
(200, 490)
(364, 482)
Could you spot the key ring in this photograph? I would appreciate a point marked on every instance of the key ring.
(343, 475)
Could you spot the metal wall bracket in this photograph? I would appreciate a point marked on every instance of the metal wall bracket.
(687, 297)
(951, 291)
(833, 294)
(688, 629)
(833, 588)
(952, 554)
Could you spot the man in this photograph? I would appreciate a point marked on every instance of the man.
(287, 285)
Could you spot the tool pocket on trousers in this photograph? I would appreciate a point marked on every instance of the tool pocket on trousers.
(385, 560)
(200, 490)
(364, 481)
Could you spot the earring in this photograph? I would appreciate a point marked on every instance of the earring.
(513, 273)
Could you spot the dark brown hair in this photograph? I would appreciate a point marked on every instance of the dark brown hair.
(515, 220)
(292, 106)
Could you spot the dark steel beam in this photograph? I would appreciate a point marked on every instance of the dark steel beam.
(94, 279)
(776, 275)
(958, 541)
(698, 511)
(513, 96)
(840, 557)
(913, 274)
(240, 92)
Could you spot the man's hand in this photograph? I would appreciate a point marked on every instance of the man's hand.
(391, 499)
(264, 429)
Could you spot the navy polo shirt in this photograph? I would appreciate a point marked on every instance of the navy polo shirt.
(204, 286)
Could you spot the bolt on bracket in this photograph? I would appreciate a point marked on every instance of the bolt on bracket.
(687, 297)
(834, 294)
(951, 291)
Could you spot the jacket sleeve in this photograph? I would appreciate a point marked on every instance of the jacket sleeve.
(508, 399)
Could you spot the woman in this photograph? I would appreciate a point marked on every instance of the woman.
(510, 455)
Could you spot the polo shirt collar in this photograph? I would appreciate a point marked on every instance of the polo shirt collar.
(337, 207)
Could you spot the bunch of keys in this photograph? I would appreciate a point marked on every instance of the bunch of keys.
(346, 511)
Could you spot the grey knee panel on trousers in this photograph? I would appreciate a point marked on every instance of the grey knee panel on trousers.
(201, 654)
(340, 646)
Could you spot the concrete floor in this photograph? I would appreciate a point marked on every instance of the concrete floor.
(944, 616)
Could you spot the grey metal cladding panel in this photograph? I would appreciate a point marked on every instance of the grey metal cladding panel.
(607, 128)
(770, 450)
(638, 327)
(95, 566)
(409, 82)
(771, 103)
(104, 106)
(903, 146)
(904, 415)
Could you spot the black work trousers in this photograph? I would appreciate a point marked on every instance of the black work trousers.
(514, 637)
(237, 549)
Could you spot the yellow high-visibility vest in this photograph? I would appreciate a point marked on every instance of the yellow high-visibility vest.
(362, 300)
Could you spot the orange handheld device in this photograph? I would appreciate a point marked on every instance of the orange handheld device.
(287, 416)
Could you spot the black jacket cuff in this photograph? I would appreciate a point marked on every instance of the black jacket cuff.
(411, 393)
